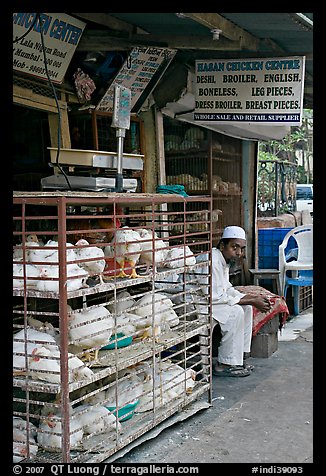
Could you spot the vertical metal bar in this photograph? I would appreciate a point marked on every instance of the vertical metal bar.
(27, 404)
(63, 326)
(95, 130)
(119, 178)
(276, 189)
(210, 316)
(210, 162)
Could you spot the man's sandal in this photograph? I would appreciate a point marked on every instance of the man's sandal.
(248, 366)
(234, 371)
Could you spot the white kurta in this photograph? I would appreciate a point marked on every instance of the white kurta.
(235, 320)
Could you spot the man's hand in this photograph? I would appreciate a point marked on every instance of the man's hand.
(260, 302)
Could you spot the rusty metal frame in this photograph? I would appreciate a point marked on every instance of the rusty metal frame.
(188, 342)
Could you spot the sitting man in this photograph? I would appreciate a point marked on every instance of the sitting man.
(232, 309)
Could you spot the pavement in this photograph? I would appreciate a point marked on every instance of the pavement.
(264, 418)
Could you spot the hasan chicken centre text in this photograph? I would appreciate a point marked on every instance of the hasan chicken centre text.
(268, 90)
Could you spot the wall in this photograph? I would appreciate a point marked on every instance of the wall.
(286, 220)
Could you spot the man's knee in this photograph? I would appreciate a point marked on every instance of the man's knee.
(238, 310)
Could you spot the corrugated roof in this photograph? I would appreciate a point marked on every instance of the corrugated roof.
(243, 35)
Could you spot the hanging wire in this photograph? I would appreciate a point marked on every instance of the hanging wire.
(56, 101)
(38, 17)
(26, 32)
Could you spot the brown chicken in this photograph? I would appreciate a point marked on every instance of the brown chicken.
(94, 230)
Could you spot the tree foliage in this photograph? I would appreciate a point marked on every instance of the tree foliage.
(284, 149)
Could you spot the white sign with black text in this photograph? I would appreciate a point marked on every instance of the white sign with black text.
(254, 90)
(61, 35)
(136, 73)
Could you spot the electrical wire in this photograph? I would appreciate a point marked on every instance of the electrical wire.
(38, 17)
(26, 32)
(56, 101)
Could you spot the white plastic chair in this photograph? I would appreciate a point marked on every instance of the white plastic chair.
(303, 236)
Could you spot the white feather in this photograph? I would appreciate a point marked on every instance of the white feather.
(91, 327)
(44, 253)
(20, 444)
(45, 366)
(125, 246)
(152, 249)
(19, 362)
(50, 429)
(76, 278)
(96, 419)
(18, 254)
(30, 271)
(179, 256)
(94, 268)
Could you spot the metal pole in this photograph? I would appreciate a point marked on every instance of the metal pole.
(120, 134)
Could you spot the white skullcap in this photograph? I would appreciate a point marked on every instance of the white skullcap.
(234, 232)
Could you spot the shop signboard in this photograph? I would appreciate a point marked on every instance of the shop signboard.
(61, 34)
(121, 110)
(253, 90)
(138, 74)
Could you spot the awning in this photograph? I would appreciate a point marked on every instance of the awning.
(182, 109)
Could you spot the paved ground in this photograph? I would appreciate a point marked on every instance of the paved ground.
(264, 418)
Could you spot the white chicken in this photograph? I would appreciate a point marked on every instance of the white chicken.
(90, 328)
(153, 388)
(49, 253)
(152, 249)
(170, 381)
(21, 271)
(120, 308)
(96, 419)
(18, 254)
(50, 429)
(125, 246)
(45, 365)
(125, 325)
(154, 314)
(125, 391)
(76, 278)
(88, 253)
(45, 327)
(179, 256)
(123, 302)
(168, 283)
(22, 444)
(34, 340)
(176, 379)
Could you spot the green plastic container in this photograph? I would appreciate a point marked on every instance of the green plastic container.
(126, 412)
(120, 343)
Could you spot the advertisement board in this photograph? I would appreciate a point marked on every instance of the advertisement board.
(61, 35)
(254, 90)
(136, 74)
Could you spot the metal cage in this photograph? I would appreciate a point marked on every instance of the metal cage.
(110, 338)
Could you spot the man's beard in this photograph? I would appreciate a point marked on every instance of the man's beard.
(232, 261)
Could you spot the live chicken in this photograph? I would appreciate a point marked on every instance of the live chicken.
(88, 253)
(89, 328)
(125, 246)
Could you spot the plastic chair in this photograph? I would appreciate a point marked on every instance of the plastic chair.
(296, 268)
(304, 278)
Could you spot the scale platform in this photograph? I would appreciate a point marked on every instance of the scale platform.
(94, 184)
(96, 158)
